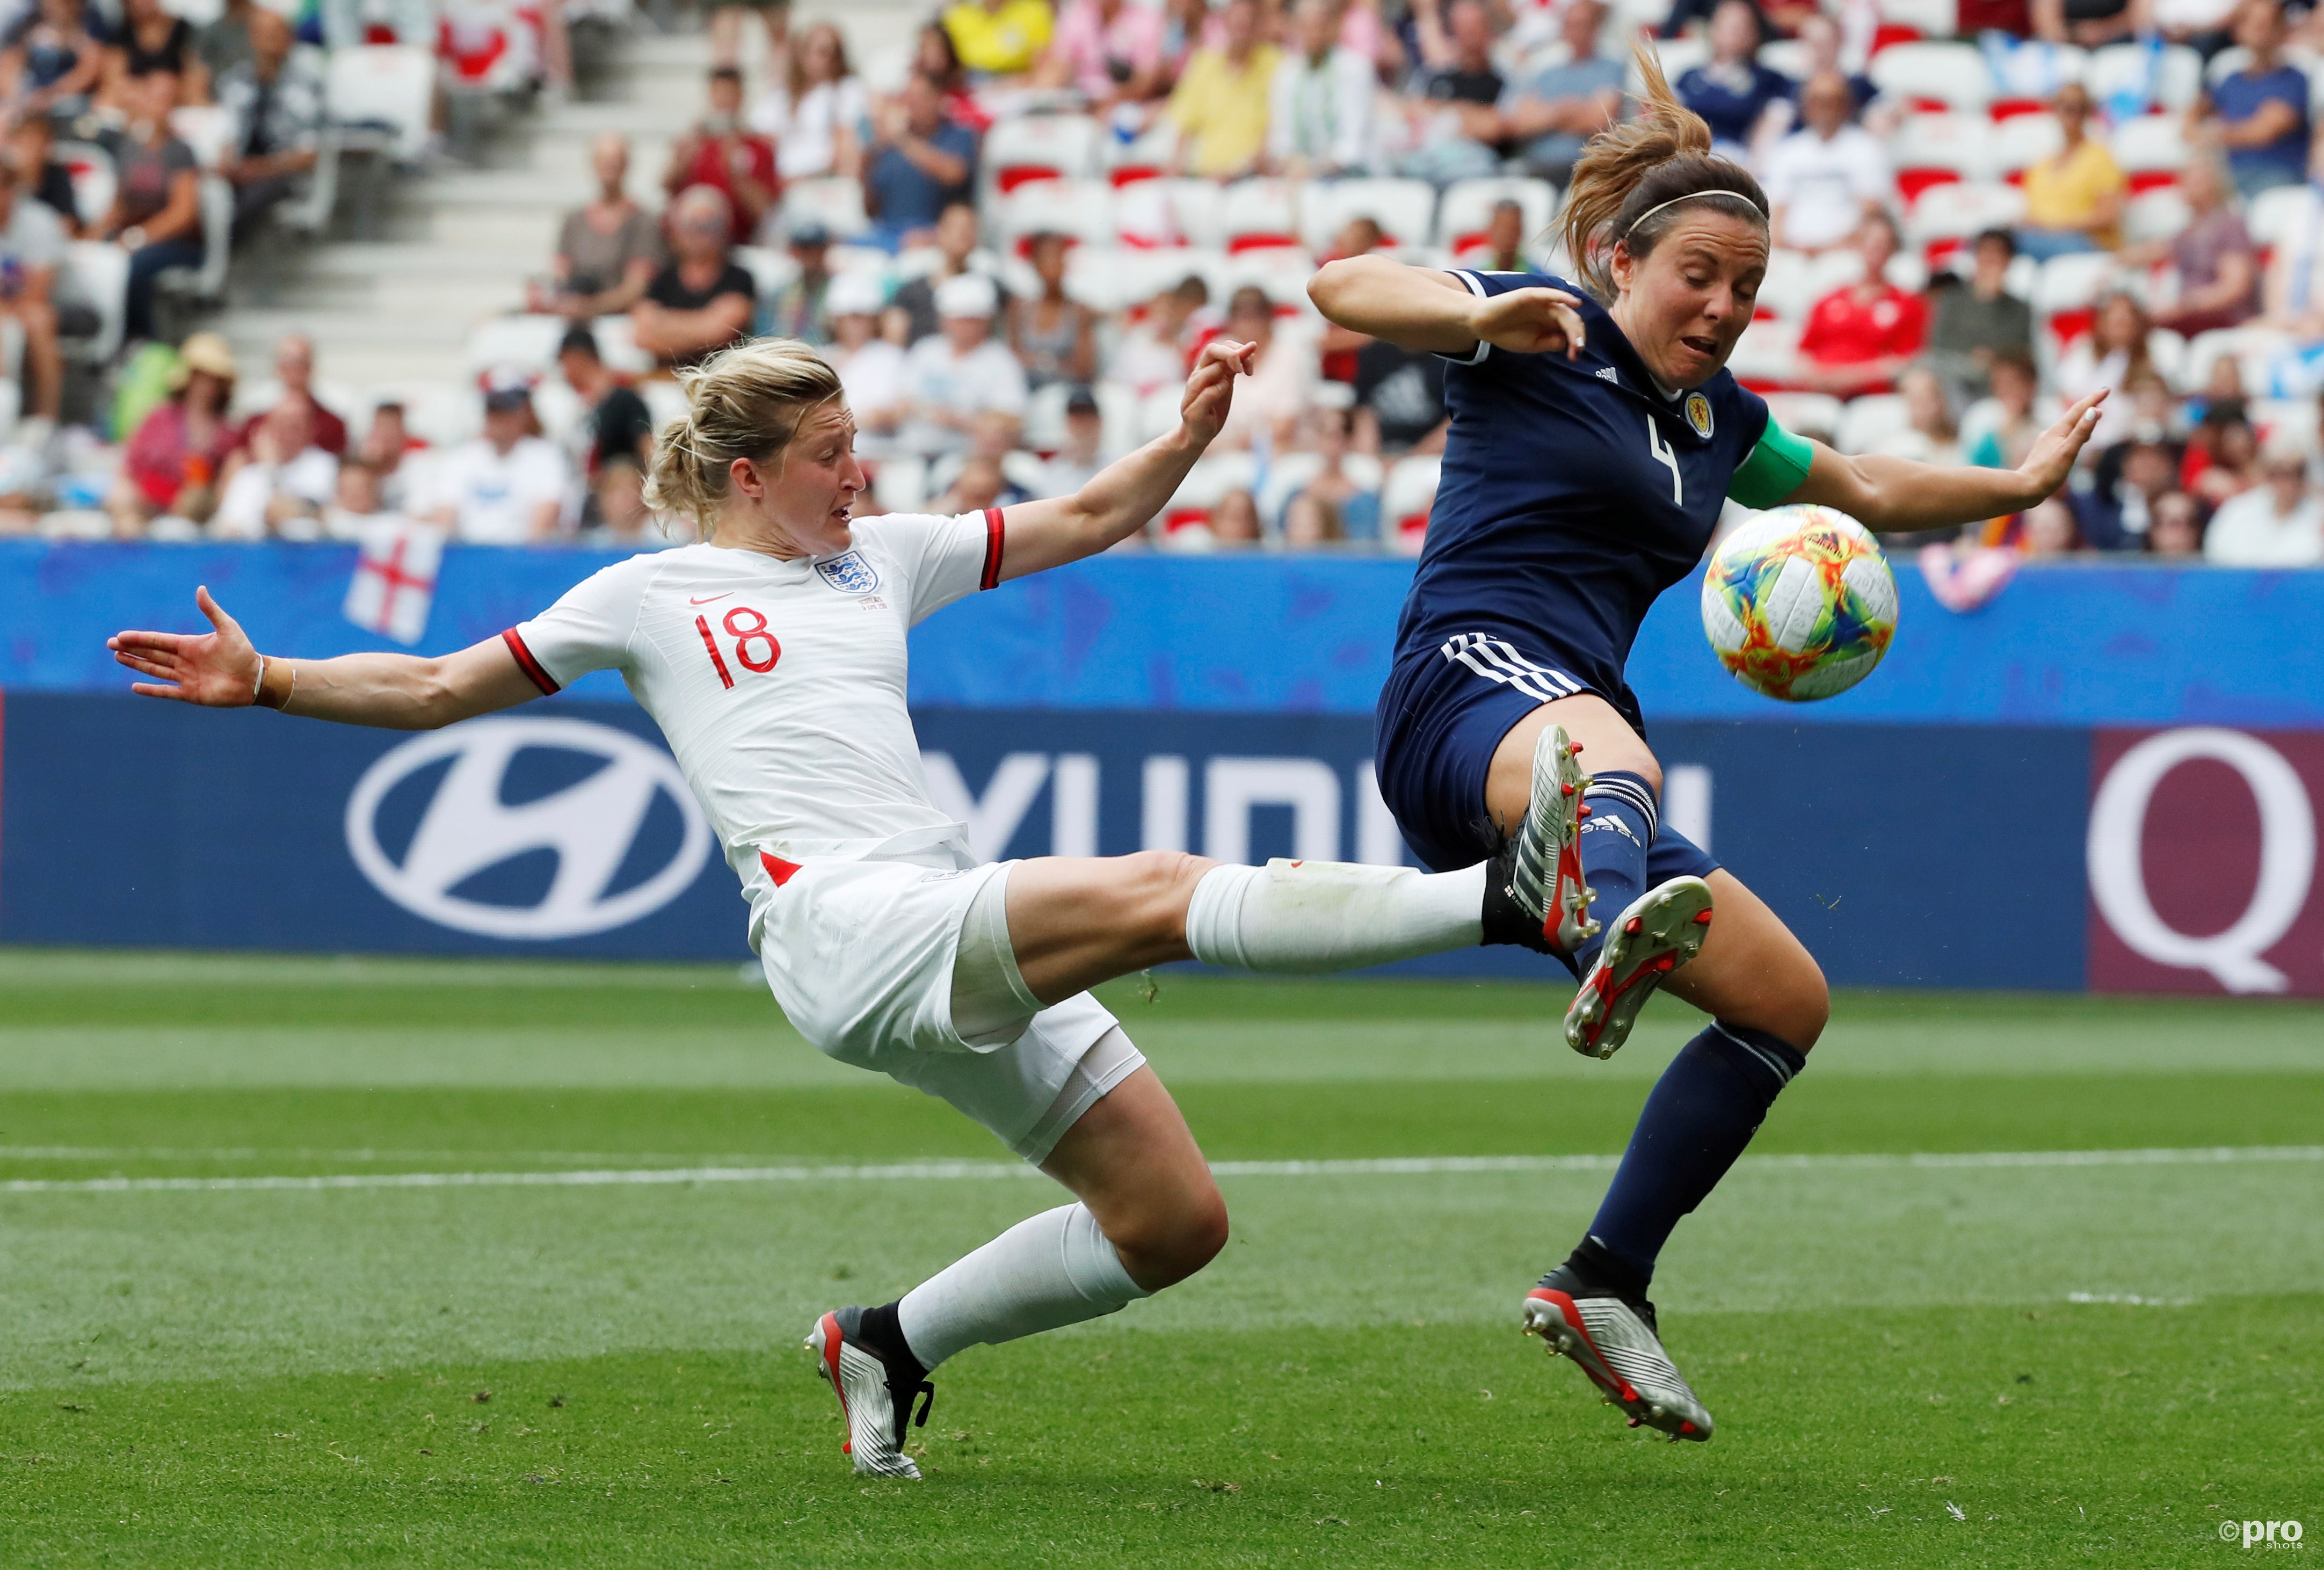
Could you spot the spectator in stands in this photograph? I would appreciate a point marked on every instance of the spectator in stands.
(2205, 26)
(1153, 351)
(223, 43)
(2294, 292)
(2010, 424)
(2112, 356)
(294, 369)
(170, 464)
(1824, 40)
(2259, 112)
(921, 162)
(1399, 400)
(506, 487)
(797, 310)
(614, 420)
(2176, 530)
(722, 153)
(1054, 335)
(2213, 256)
(1187, 25)
(2222, 456)
(2049, 531)
(157, 215)
(280, 483)
(51, 63)
(1550, 114)
(980, 483)
(701, 300)
(934, 57)
(1859, 337)
(960, 373)
(2073, 197)
(1501, 248)
(1745, 104)
(1233, 523)
(1282, 381)
(357, 502)
(384, 447)
(956, 254)
(2278, 523)
(41, 174)
(616, 517)
(1221, 103)
(1975, 321)
(1108, 51)
(1825, 178)
(814, 110)
(1333, 505)
(870, 367)
(607, 252)
(1319, 117)
(1076, 463)
(1452, 118)
(2132, 476)
(726, 23)
(999, 38)
(1931, 434)
(151, 39)
(276, 102)
(31, 246)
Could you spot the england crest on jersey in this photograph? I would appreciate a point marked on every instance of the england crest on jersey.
(849, 573)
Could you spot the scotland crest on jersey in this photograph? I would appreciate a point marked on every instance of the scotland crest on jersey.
(1697, 414)
(849, 573)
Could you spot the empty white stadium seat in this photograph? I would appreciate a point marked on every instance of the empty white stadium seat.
(1866, 422)
(1950, 74)
(1961, 211)
(2253, 348)
(2276, 216)
(2291, 419)
(2171, 77)
(1258, 212)
(1677, 57)
(1767, 353)
(2224, 64)
(1468, 207)
(2024, 141)
(1958, 144)
(1407, 492)
(97, 274)
(524, 343)
(2159, 215)
(1080, 208)
(1816, 414)
(1405, 209)
(1033, 147)
(836, 203)
(1789, 288)
(2151, 141)
(204, 129)
(94, 182)
(2072, 283)
(1928, 18)
(390, 86)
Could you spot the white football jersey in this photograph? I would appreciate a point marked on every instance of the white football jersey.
(779, 685)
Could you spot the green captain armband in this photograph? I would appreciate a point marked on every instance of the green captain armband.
(1776, 467)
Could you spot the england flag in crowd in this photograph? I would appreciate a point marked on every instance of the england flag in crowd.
(394, 584)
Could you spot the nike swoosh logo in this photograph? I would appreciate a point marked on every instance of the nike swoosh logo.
(706, 599)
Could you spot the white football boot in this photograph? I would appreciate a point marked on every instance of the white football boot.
(1663, 929)
(876, 1403)
(1616, 1344)
(1545, 872)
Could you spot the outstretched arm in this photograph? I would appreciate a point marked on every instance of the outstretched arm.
(1426, 311)
(405, 692)
(1121, 498)
(1892, 495)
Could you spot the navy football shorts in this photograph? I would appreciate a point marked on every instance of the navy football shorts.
(1442, 716)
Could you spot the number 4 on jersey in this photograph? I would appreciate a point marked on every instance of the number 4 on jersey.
(1666, 454)
(745, 636)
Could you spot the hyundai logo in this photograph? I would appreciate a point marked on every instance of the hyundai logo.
(466, 828)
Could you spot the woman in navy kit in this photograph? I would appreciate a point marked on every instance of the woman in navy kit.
(1595, 437)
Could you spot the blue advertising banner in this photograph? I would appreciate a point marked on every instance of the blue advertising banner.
(565, 827)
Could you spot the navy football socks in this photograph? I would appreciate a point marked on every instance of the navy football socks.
(1703, 1110)
(1614, 841)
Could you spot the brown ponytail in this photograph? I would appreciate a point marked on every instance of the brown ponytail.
(1630, 171)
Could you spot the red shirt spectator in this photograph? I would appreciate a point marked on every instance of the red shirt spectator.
(721, 152)
(1859, 338)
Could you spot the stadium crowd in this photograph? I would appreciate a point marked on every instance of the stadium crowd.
(1012, 237)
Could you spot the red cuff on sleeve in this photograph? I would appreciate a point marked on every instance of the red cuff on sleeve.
(528, 664)
(994, 533)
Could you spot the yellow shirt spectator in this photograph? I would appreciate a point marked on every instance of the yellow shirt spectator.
(999, 38)
(1222, 111)
(2066, 192)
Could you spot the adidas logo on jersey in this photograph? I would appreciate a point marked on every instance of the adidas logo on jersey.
(1607, 374)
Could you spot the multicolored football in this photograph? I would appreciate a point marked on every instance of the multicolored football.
(1799, 603)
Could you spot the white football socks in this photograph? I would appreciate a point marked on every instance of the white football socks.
(1052, 1269)
(1324, 916)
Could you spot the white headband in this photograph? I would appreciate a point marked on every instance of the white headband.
(1690, 197)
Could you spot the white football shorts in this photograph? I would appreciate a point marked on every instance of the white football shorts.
(861, 955)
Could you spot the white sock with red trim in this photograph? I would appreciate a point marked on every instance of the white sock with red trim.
(1052, 1269)
(1322, 916)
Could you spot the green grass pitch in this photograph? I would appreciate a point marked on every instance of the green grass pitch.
(1917, 1355)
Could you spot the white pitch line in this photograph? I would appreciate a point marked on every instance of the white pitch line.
(951, 1171)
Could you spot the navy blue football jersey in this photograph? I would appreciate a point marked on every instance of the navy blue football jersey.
(1573, 494)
